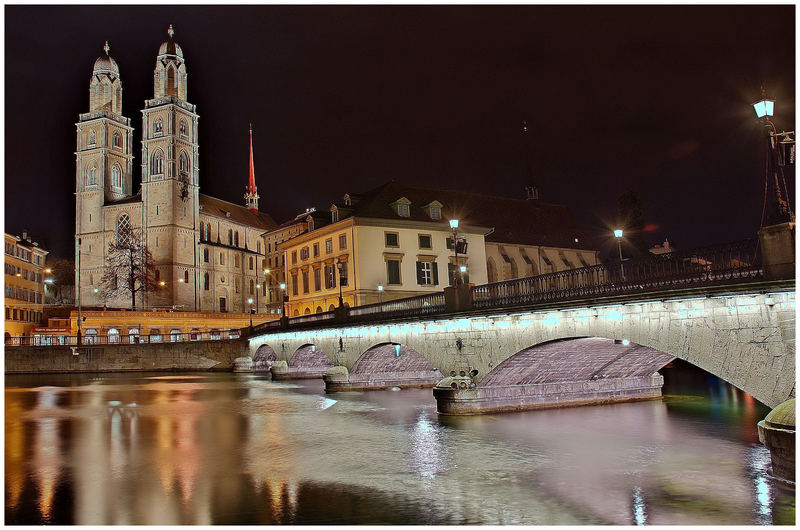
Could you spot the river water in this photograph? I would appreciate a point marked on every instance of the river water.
(213, 448)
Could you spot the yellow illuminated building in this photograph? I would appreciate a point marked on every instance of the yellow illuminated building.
(24, 282)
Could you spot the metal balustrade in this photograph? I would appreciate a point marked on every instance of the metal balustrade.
(418, 305)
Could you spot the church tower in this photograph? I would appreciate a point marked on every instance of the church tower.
(170, 193)
(251, 192)
(104, 163)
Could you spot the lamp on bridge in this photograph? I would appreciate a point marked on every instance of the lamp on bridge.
(284, 296)
(780, 152)
(618, 237)
(454, 228)
(250, 307)
(339, 266)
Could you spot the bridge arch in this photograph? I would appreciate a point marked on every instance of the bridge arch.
(264, 357)
(576, 359)
(309, 356)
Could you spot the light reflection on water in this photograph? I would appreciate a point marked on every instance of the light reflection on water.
(227, 449)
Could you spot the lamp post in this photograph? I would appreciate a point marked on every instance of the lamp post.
(764, 109)
(618, 237)
(283, 300)
(462, 271)
(454, 228)
(258, 288)
(250, 307)
(339, 265)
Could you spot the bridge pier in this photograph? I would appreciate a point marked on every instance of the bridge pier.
(281, 371)
(777, 433)
(461, 396)
(338, 379)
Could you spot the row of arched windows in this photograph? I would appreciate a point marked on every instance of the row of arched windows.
(157, 163)
(116, 140)
(90, 176)
(158, 127)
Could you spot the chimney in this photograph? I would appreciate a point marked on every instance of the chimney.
(531, 193)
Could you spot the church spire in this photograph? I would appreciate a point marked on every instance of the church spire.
(251, 195)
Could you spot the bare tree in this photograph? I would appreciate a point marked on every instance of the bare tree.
(129, 266)
(61, 287)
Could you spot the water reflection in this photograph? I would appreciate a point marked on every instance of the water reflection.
(241, 449)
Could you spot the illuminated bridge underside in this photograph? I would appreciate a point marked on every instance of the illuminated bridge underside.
(381, 367)
(307, 362)
(264, 358)
(745, 338)
(557, 374)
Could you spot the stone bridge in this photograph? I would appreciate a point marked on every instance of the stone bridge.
(743, 334)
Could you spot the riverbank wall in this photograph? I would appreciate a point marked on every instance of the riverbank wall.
(216, 355)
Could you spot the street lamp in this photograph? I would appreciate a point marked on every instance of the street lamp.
(250, 302)
(258, 288)
(454, 228)
(283, 300)
(618, 236)
(764, 109)
(380, 294)
(339, 265)
(463, 270)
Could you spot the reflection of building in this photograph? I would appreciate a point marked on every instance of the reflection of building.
(398, 237)
(206, 251)
(24, 281)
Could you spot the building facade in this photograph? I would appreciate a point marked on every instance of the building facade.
(396, 241)
(24, 283)
(206, 251)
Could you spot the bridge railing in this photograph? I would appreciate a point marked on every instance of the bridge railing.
(92, 340)
(708, 265)
(426, 304)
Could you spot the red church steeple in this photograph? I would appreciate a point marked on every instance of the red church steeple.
(251, 195)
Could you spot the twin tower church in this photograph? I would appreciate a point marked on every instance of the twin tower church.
(209, 253)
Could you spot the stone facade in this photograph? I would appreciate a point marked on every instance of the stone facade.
(745, 338)
(207, 252)
(24, 281)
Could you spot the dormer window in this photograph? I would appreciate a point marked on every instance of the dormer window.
(436, 213)
(310, 222)
(434, 210)
(402, 207)
(347, 200)
(334, 214)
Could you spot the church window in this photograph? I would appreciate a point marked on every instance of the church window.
(258, 247)
(156, 240)
(183, 163)
(236, 284)
(186, 276)
(205, 255)
(117, 141)
(90, 218)
(91, 175)
(157, 163)
(230, 237)
(236, 239)
(156, 209)
(91, 279)
(92, 138)
(236, 261)
(116, 176)
(205, 281)
(251, 287)
(158, 126)
(251, 263)
(183, 128)
(123, 227)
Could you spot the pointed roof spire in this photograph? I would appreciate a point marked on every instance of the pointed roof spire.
(251, 197)
(170, 31)
(107, 48)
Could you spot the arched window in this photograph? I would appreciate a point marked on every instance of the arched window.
(258, 247)
(91, 175)
(117, 140)
(123, 227)
(208, 231)
(205, 281)
(186, 276)
(236, 239)
(92, 138)
(157, 163)
(230, 237)
(113, 335)
(252, 287)
(158, 126)
(116, 176)
(183, 163)
(182, 128)
(251, 262)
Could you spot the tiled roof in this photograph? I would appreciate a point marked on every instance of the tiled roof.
(238, 214)
(515, 221)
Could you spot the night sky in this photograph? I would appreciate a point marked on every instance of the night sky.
(651, 99)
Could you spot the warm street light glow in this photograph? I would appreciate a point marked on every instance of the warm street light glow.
(19, 275)
(380, 287)
(453, 223)
(180, 280)
(96, 290)
(463, 268)
(48, 270)
(162, 283)
(49, 280)
(764, 108)
(618, 233)
(258, 286)
(283, 286)
(250, 301)
(266, 271)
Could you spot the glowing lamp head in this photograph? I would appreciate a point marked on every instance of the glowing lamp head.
(249, 300)
(380, 287)
(618, 233)
(764, 108)
(48, 270)
(258, 286)
(453, 223)
(625, 342)
(96, 290)
(162, 283)
(180, 280)
(463, 268)
(266, 271)
(49, 280)
(283, 286)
